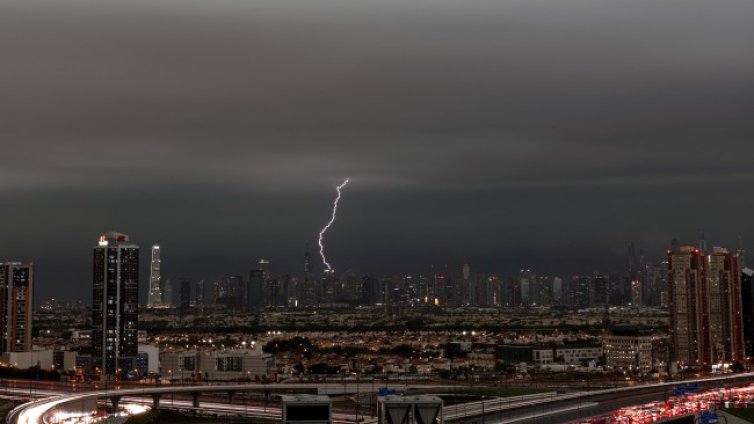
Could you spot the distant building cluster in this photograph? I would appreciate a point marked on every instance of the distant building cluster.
(707, 293)
(642, 284)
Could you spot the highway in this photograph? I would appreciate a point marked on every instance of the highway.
(546, 408)
(562, 408)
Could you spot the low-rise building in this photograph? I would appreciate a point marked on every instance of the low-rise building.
(628, 351)
(153, 357)
(233, 364)
(530, 353)
(23, 360)
(577, 353)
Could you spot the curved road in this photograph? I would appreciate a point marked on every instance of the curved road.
(547, 408)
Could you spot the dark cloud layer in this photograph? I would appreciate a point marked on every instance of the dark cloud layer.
(503, 133)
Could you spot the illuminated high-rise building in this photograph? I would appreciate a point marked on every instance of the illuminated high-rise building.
(154, 299)
(705, 306)
(115, 307)
(16, 294)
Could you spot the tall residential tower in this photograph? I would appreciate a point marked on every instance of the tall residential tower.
(16, 293)
(115, 303)
(705, 307)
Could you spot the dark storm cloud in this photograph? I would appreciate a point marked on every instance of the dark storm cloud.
(505, 133)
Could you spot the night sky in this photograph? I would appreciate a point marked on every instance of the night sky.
(545, 134)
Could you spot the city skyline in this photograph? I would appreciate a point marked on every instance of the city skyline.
(500, 134)
(456, 269)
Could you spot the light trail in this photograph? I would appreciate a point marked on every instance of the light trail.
(332, 219)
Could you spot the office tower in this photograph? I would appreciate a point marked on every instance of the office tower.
(642, 277)
(557, 291)
(409, 289)
(705, 307)
(466, 286)
(451, 292)
(631, 282)
(747, 309)
(437, 295)
(636, 290)
(255, 287)
(167, 293)
(16, 295)
(307, 291)
(308, 268)
(184, 295)
(287, 292)
(272, 293)
(581, 293)
(154, 299)
(488, 291)
(512, 292)
(525, 285)
(199, 293)
(423, 285)
(219, 292)
(234, 298)
(352, 288)
(617, 289)
(370, 290)
(331, 289)
(598, 290)
(540, 287)
(115, 307)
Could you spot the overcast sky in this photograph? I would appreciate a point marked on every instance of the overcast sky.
(504, 133)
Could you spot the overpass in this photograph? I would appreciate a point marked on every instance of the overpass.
(557, 407)
(37, 411)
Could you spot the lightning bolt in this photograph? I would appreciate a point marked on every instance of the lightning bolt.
(332, 219)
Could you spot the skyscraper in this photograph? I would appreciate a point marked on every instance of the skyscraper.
(307, 293)
(219, 292)
(184, 294)
(235, 291)
(16, 294)
(167, 293)
(705, 306)
(308, 267)
(255, 288)
(747, 309)
(154, 300)
(199, 293)
(115, 308)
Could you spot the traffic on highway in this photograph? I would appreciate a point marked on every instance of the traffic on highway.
(680, 403)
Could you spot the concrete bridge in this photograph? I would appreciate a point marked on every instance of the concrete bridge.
(38, 411)
(509, 410)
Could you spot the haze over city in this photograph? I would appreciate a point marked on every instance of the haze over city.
(542, 134)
